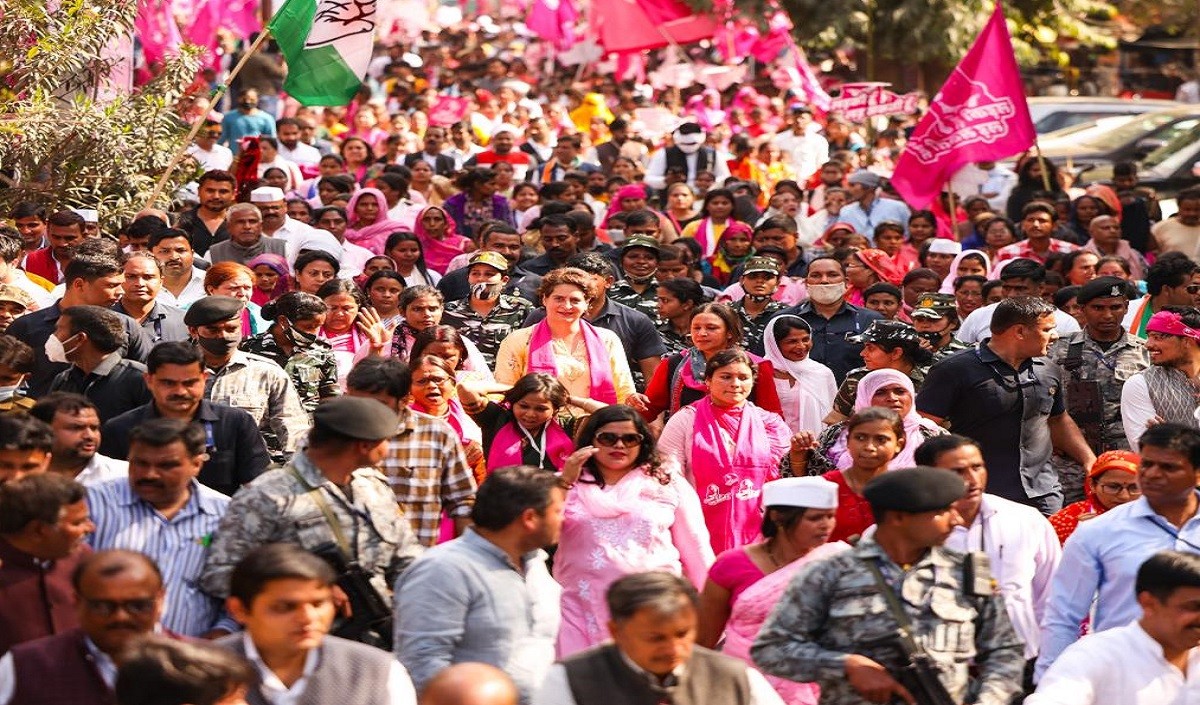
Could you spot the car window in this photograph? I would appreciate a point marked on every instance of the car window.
(1168, 158)
(1139, 127)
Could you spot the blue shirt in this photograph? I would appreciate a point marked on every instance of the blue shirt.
(178, 545)
(237, 125)
(1102, 557)
(881, 210)
(465, 601)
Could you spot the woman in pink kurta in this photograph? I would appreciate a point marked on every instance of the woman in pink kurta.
(625, 514)
(728, 448)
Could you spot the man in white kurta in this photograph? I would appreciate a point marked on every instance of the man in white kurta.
(1152, 661)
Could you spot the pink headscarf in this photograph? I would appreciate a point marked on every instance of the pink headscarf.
(373, 236)
(628, 192)
(913, 422)
(438, 253)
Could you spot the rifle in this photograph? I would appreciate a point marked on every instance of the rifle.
(918, 672)
(370, 621)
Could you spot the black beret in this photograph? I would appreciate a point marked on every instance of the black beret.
(212, 309)
(356, 417)
(919, 489)
(1101, 288)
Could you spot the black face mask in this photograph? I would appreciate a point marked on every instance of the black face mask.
(300, 339)
(219, 346)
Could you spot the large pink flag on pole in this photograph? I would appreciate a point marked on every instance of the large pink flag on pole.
(979, 115)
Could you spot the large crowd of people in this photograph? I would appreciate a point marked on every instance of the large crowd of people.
(541, 406)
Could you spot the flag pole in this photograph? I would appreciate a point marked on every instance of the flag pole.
(953, 212)
(214, 99)
(1037, 149)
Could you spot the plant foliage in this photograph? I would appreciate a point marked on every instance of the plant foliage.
(65, 139)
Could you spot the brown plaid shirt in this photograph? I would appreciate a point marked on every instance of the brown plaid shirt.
(428, 472)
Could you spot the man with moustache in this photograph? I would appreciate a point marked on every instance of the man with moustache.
(205, 225)
(43, 522)
(76, 425)
(175, 375)
(1098, 572)
(140, 298)
(1165, 391)
(561, 240)
(162, 511)
(182, 281)
(246, 237)
(1020, 544)
(119, 598)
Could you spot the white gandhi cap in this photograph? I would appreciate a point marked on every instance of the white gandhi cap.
(266, 194)
(809, 492)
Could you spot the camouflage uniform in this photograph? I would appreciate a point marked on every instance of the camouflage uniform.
(955, 345)
(647, 302)
(487, 331)
(1095, 374)
(674, 342)
(276, 508)
(754, 328)
(834, 608)
(313, 369)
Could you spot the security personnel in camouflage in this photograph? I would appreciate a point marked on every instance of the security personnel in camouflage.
(638, 287)
(16, 363)
(308, 360)
(1097, 360)
(834, 625)
(486, 316)
(760, 279)
(329, 496)
(935, 317)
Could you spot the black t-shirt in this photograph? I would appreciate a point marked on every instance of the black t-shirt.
(1005, 410)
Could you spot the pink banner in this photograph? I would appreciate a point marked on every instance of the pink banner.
(860, 101)
(627, 26)
(155, 28)
(448, 110)
(553, 21)
(979, 115)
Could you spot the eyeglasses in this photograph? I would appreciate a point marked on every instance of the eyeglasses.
(1193, 289)
(609, 440)
(107, 608)
(1116, 487)
(431, 381)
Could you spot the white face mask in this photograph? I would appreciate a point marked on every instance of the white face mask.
(485, 291)
(56, 352)
(826, 293)
(692, 148)
(7, 393)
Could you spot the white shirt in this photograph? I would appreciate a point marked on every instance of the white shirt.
(102, 468)
(302, 155)
(978, 325)
(1023, 551)
(1137, 409)
(1121, 665)
(556, 689)
(656, 171)
(219, 157)
(805, 153)
(400, 687)
(192, 292)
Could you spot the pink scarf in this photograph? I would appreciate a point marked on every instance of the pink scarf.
(464, 426)
(707, 240)
(541, 359)
(374, 236)
(438, 253)
(509, 445)
(729, 479)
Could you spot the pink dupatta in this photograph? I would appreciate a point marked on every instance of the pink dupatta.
(541, 359)
(438, 253)
(374, 236)
(508, 446)
(729, 476)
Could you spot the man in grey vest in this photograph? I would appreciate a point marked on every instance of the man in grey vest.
(1167, 390)
(283, 597)
(653, 657)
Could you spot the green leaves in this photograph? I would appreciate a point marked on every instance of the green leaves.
(70, 139)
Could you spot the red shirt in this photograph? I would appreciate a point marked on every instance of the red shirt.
(853, 513)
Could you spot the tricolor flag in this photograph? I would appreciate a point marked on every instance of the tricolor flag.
(979, 115)
(327, 44)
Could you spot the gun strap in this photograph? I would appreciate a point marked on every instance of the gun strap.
(318, 497)
(894, 606)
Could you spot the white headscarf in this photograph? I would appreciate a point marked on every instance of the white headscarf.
(817, 385)
(948, 282)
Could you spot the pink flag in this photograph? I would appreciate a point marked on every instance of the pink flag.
(553, 21)
(156, 30)
(638, 25)
(979, 115)
(448, 110)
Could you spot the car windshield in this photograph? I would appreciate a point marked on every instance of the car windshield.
(1167, 158)
(1137, 128)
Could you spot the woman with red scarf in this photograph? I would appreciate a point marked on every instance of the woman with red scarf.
(1111, 482)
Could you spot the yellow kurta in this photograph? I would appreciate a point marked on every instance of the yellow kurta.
(512, 363)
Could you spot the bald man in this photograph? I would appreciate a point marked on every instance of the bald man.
(470, 684)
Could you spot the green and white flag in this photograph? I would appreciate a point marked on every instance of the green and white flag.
(327, 44)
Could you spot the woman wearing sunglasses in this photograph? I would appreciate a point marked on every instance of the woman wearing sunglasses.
(625, 513)
(728, 448)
